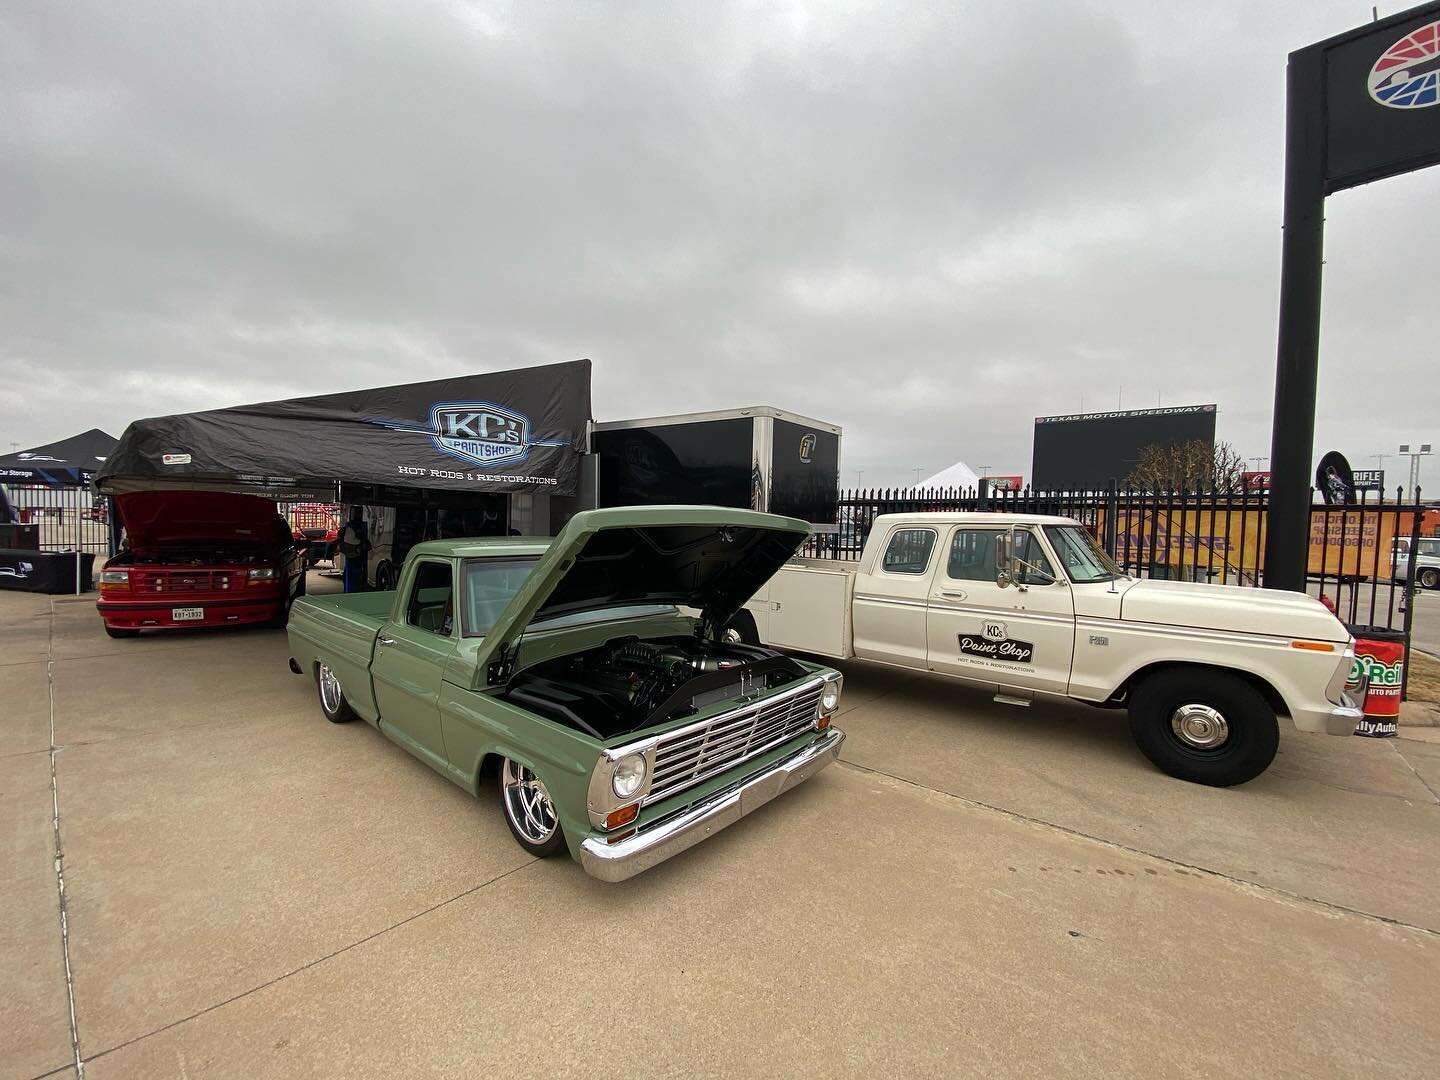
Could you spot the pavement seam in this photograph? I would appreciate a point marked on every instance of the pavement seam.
(1066, 829)
(1401, 754)
(316, 962)
(60, 855)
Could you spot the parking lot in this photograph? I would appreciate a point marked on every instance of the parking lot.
(974, 889)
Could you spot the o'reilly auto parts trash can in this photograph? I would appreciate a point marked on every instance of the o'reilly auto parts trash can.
(1377, 674)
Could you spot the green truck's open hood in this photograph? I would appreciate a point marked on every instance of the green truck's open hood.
(705, 557)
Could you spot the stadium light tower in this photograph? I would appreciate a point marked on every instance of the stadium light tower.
(1423, 450)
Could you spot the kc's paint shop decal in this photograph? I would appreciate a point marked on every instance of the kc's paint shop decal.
(995, 643)
(1407, 75)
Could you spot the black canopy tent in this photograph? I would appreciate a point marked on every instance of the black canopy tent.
(501, 432)
(71, 462)
(50, 529)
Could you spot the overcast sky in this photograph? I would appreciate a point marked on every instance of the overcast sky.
(926, 222)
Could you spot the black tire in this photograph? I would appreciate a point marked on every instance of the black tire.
(1428, 578)
(384, 578)
(121, 632)
(741, 628)
(1252, 733)
(341, 713)
(304, 583)
(526, 834)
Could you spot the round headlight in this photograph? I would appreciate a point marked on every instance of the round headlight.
(830, 697)
(628, 775)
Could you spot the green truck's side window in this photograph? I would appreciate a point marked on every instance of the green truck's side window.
(430, 606)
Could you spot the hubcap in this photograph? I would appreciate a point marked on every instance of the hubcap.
(732, 637)
(330, 695)
(1199, 726)
(527, 803)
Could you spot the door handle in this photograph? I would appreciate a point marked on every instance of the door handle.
(382, 641)
(957, 594)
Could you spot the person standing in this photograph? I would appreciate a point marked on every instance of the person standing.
(355, 546)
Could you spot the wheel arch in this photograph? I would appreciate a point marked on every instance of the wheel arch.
(1264, 686)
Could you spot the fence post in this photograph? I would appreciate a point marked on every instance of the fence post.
(982, 494)
(1415, 519)
(1112, 512)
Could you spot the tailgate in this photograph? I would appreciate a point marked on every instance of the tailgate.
(340, 631)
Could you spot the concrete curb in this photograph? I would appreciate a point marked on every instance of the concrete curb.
(1419, 714)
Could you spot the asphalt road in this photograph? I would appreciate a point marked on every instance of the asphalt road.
(973, 889)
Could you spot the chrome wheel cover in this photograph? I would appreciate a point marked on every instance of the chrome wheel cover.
(330, 693)
(1200, 727)
(731, 636)
(527, 803)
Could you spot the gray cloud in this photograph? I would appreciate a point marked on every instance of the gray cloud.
(929, 223)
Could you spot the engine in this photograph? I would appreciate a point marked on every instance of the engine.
(629, 683)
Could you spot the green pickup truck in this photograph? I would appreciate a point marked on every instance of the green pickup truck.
(618, 724)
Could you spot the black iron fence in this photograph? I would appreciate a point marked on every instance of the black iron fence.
(62, 518)
(1356, 561)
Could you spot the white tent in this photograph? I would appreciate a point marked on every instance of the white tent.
(958, 475)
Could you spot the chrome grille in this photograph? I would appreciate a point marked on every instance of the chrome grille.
(691, 755)
(167, 582)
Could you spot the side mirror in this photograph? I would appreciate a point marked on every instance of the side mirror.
(1004, 546)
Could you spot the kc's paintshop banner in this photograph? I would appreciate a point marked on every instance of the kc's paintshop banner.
(1378, 92)
(505, 431)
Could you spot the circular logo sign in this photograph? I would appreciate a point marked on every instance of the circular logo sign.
(1407, 75)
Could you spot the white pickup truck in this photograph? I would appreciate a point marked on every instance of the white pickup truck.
(1032, 606)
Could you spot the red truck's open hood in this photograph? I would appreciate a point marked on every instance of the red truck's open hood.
(165, 518)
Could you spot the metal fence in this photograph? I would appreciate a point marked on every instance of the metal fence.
(1354, 560)
(67, 518)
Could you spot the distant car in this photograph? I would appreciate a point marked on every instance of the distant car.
(1427, 563)
(24, 570)
(199, 559)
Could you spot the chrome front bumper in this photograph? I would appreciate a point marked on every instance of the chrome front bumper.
(658, 842)
(1334, 720)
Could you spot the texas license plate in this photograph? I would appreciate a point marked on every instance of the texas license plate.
(187, 614)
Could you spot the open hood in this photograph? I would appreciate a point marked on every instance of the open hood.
(704, 557)
(154, 519)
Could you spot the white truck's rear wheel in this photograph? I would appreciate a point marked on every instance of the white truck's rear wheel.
(1206, 726)
(1429, 578)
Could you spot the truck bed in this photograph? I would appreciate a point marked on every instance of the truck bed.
(341, 629)
(806, 607)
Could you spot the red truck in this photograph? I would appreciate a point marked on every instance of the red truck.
(199, 558)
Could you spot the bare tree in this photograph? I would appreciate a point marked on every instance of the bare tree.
(1189, 466)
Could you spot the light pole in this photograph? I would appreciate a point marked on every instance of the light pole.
(859, 477)
(1422, 450)
(918, 471)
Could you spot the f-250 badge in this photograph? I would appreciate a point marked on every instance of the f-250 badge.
(1005, 649)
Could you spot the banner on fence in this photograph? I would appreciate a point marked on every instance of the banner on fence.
(1231, 543)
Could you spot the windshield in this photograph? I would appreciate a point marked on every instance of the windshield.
(490, 585)
(1082, 558)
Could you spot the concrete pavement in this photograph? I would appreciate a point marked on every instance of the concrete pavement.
(974, 890)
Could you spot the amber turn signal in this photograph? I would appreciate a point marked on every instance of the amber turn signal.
(1313, 646)
(623, 816)
(823, 722)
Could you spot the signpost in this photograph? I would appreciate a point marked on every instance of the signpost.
(1358, 107)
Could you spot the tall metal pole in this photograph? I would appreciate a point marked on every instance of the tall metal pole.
(1298, 355)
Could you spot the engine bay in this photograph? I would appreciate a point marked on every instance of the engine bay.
(631, 683)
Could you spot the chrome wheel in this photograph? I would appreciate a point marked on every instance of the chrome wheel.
(731, 636)
(527, 804)
(1199, 726)
(330, 696)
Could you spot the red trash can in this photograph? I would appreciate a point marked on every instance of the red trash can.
(1378, 673)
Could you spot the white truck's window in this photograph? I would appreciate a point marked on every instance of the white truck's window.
(972, 557)
(1084, 560)
(430, 607)
(909, 551)
(490, 585)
